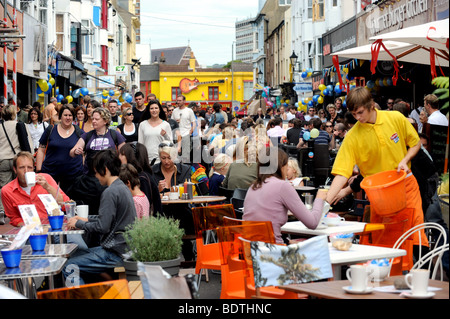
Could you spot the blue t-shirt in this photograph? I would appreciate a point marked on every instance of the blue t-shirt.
(214, 182)
(57, 160)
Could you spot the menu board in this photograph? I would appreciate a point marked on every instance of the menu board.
(437, 146)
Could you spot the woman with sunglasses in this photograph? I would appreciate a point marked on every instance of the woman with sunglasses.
(128, 128)
(154, 129)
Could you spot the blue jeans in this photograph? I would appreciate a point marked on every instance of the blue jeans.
(95, 260)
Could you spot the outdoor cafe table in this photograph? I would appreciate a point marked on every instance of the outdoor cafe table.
(31, 268)
(359, 254)
(50, 250)
(298, 228)
(10, 234)
(382, 290)
(194, 200)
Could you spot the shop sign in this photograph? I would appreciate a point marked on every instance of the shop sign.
(303, 87)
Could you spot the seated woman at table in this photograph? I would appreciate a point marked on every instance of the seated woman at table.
(243, 172)
(168, 174)
(293, 173)
(116, 213)
(271, 196)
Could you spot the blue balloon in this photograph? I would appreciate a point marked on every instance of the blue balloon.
(370, 84)
(310, 103)
(111, 92)
(344, 104)
(84, 91)
(304, 74)
(76, 93)
(330, 88)
(315, 98)
(389, 82)
(337, 90)
(59, 98)
(306, 136)
(325, 92)
(38, 90)
(129, 99)
(49, 91)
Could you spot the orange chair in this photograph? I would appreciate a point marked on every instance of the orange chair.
(114, 289)
(384, 231)
(206, 219)
(232, 263)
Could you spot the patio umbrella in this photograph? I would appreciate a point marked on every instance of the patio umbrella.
(432, 37)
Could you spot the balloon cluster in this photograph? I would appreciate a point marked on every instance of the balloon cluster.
(378, 83)
(266, 94)
(306, 73)
(45, 86)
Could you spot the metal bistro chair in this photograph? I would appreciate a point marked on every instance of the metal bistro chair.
(228, 193)
(407, 237)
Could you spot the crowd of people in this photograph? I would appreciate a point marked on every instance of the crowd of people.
(120, 159)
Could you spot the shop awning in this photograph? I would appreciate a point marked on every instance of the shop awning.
(420, 56)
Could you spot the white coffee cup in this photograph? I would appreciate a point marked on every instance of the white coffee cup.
(173, 195)
(417, 280)
(358, 275)
(30, 178)
(83, 211)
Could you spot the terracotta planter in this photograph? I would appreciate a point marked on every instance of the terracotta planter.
(172, 267)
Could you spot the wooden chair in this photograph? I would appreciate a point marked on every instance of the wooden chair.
(115, 289)
(207, 219)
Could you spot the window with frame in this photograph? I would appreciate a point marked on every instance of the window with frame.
(310, 9)
(59, 32)
(318, 10)
(43, 6)
(176, 92)
(86, 37)
(213, 93)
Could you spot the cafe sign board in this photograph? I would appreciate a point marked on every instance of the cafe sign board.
(121, 70)
(303, 87)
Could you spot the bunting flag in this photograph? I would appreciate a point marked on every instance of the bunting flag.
(375, 49)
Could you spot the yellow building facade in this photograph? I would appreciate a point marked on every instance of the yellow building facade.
(204, 86)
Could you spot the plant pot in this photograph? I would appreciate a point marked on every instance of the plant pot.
(172, 267)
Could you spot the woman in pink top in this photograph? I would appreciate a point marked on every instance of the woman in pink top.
(271, 196)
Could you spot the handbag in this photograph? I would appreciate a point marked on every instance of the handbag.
(7, 137)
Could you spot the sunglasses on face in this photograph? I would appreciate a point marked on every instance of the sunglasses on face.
(328, 125)
(129, 114)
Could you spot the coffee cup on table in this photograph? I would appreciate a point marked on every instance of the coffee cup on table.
(30, 178)
(358, 275)
(417, 280)
(83, 211)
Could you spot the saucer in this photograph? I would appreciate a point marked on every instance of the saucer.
(410, 295)
(349, 290)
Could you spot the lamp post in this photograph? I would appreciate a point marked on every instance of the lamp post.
(293, 59)
(260, 77)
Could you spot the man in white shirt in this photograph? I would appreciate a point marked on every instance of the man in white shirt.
(292, 113)
(435, 117)
(187, 124)
(311, 113)
(277, 130)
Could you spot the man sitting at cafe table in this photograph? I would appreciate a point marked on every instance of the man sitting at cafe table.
(17, 192)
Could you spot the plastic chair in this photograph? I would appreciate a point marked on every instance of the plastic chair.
(114, 289)
(407, 237)
(384, 231)
(158, 284)
(206, 219)
(281, 265)
(232, 263)
(240, 193)
(228, 193)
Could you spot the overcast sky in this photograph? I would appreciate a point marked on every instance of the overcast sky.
(208, 26)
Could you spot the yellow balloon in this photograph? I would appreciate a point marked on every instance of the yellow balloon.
(52, 81)
(320, 100)
(345, 70)
(322, 87)
(105, 100)
(69, 98)
(303, 107)
(287, 101)
(314, 133)
(121, 99)
(43, 85)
